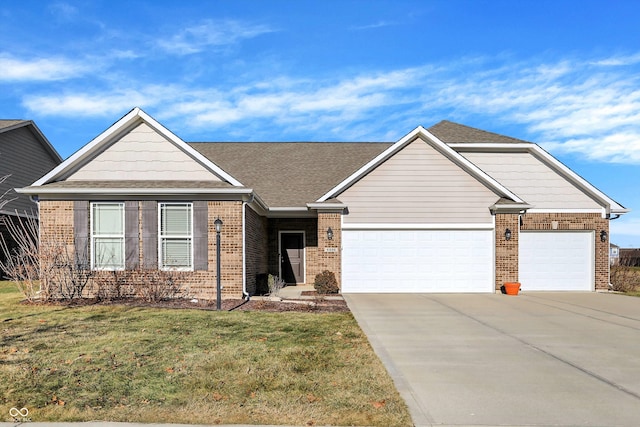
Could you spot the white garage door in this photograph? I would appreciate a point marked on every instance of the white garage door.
(417, 261)
(556, 261)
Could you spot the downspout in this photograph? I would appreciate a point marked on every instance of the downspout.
(245, 294)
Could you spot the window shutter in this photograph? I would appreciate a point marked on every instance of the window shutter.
(131, 237)
(150, 234)
(200, 235)
(81, 233)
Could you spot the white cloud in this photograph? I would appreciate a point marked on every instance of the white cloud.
(567, 105)
(40, 69)
(211, 34)
(379, 24)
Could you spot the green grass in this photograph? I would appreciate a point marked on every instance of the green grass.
(117, 363)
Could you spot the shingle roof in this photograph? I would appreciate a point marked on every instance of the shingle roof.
(290, 174)
(451, 133)
(8, 123)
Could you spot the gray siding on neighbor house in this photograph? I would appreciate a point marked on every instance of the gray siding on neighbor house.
(22, 156)
(532, 180)
(418, 185)
(143, 154)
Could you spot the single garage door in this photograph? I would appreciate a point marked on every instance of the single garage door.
(417, 261)
(556, 261)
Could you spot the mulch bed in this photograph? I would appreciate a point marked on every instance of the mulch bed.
(304, 306)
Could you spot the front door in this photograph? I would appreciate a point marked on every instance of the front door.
(292, 257)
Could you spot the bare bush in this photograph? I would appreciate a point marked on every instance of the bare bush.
(624, 278)
(20, 261)
(148, 284)
(275, 284)
(158, 285)
(64, 275)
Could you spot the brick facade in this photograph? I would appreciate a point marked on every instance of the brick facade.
(507, 251)
(256, 250)
(57, 228)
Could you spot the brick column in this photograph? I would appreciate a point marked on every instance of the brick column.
(506, 250)
(329, 251)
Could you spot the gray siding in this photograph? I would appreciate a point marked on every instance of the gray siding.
(143, 154)
(24, 158)
(532, 180)
(418, 185)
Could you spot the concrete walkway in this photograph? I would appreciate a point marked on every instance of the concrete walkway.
(538, 359)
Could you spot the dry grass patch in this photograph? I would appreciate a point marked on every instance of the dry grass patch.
(145, 364)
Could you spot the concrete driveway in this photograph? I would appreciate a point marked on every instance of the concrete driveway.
(536, 359)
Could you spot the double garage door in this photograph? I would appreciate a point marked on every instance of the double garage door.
(415, 261)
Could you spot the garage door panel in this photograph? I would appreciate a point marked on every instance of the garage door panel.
(556, 261)
(417, 261)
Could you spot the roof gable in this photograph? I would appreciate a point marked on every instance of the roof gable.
(107, 147)
(439, 146)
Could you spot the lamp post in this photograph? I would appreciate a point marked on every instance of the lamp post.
(218, 224)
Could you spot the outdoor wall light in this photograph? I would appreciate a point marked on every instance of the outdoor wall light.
(507, 234)
(329, 233)
(603, 236)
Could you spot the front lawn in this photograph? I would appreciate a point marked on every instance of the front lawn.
(142, 364)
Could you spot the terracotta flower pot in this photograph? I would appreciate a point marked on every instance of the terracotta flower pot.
(512, 288)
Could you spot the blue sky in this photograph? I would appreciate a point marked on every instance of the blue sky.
(564, 74)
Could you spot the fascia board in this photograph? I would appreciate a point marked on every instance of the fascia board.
(34, 190)
(436, 143)
(577, 180)
(326, 206)
(125, 122)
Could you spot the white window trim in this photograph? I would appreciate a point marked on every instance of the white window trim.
(161, 237)
(93, 236)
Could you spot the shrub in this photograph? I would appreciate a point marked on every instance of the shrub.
(624, 278)
(326, 283)
(275, 284)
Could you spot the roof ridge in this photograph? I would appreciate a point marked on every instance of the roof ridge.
(452, 132)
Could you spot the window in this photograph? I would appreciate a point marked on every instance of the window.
(107, 236)
(176, 236)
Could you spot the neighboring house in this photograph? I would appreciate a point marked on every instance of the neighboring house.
(25, 155)
(445, 209)
(614, 254)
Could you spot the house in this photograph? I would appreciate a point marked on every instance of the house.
(25, 155)
(445, 209)
(614, 254)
